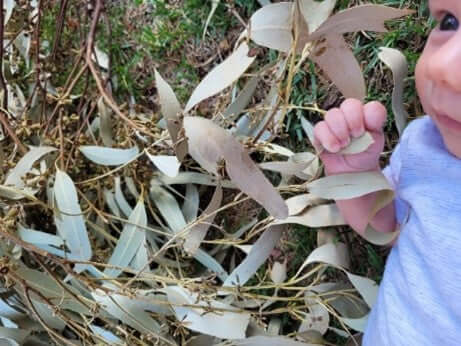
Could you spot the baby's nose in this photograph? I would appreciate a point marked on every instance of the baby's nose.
(444, 66)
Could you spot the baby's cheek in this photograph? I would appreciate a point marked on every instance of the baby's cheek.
(423, 83)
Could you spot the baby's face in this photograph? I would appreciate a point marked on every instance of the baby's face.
(438, 73)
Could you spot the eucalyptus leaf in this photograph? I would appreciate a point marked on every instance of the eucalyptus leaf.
(222, 76)
(257, 256)
(168, 207)
(318, 216)
(168, 165)
(208, 144)
(348, 185)
(109, 156)
(105, 124)
(397, 62)
(15, 176)
(198, 232)
(225, 324)
(128, 311)
(131, 238)
(70, 222)
(191, 203)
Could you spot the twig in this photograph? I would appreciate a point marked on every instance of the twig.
(59, 25)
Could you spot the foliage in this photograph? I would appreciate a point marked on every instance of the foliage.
(124, 225)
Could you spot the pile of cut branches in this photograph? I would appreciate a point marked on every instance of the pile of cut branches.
(114, 220)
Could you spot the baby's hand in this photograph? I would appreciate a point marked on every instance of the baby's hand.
(342, 124)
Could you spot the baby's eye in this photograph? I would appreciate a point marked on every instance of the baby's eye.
(449, 23)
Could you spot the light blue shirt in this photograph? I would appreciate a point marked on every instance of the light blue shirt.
(419, 301)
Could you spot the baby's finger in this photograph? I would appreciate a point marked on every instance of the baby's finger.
(326, 138)
(338, 126)
(353, 111)
(375, 115)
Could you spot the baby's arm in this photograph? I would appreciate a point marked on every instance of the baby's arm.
(335, 133)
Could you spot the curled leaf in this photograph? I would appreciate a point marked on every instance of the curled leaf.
(397, 62)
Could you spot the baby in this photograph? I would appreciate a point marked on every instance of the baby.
(419, 300)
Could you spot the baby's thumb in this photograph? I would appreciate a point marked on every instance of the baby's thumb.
(374, 116)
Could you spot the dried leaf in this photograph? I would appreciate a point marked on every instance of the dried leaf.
(271, 26)
(69, 221)
(198, 232)
(299, 203)
(209, 143)
(101, 58)
(131, 239)
(279, 272)
(109, 337)
(308, 129)
(379, 238)
(222, 76)
(332, 254)
(269, 341)
(336, 59)
(52, 290)
(37, 238)
(120, 199)
(191, 203)
(258, 255)
(105, 124)
(194, 178)
(317, 319)
(16, 175)
(13, 336)
(168, 165)
(319, 216)
(367, 288)
(211, 263)
(349, 185)
(359, 18)
(225, 324)
(8, 7)
(242, 100)
(168, 207)
(396, 61)
(128, 311)
(358, 145)
(315, 12)
(109, 156)
(171, 110)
